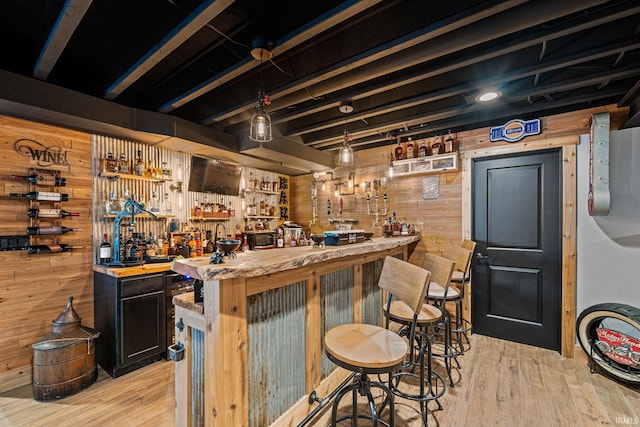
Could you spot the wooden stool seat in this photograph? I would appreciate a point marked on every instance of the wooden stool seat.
(400, 312)
(366, 346)
(438, 292)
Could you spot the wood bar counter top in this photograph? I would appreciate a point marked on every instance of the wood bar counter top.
(262, 263)
(253, 348)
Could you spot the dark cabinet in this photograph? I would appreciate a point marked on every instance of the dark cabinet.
(130, 314)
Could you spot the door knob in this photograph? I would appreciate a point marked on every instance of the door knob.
(481, 258)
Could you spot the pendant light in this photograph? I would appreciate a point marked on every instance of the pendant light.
(261, 121)
(345, 156)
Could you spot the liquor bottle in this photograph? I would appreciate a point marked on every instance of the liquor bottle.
(43, 196)
(113, 205)
(158, 172)
(448, 143)
(398, 151)
(165, 246)
(50, 248)
(154, 204)
(410, 148)
(43, 179)
(196, 212)
(166, 206)
(123, 164)
(50, 229)
(49, 213)
(123, 199)
(105, 250)
(138, 166)
(149, 171)
(110, 164)
(166, 172)
(129, 247)
(437, 147)
(422, 149)
(172, 247)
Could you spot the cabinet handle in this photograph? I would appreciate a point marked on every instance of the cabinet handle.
(180, 325)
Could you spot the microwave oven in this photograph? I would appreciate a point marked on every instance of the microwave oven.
(258, 240)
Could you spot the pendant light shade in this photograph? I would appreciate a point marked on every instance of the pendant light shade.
(260, 125)
(260, 130)
(345, 156)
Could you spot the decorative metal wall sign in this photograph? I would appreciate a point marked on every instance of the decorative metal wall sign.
(515, 130)
(40, 153)
(430, 187)
(599, 199)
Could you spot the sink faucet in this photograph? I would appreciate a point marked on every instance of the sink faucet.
(215, 234)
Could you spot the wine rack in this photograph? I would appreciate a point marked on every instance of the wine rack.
(52, 240)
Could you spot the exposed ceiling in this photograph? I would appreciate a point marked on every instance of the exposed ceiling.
(180, 74)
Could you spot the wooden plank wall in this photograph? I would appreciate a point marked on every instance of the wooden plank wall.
(441, 220)
(34, 288)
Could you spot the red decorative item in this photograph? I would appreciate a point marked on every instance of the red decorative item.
(266, 99)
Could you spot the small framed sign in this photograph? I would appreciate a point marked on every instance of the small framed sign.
(430, 187)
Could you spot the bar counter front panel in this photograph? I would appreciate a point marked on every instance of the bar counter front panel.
(258, 335)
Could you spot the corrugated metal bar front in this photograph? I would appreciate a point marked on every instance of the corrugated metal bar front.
(371, 293)
(276, 354)
(197, 378)
(336, 293)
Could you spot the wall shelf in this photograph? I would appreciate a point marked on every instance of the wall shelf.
(425, 165)
(200, 218)
(274, 193)
(142, 215)
(114, 175)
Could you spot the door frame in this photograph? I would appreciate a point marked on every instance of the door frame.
(569, 184)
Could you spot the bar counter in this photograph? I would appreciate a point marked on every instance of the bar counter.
(257, 337)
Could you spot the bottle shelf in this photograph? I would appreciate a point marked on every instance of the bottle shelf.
(272, 193)
(116, 175)
(142, 215)
(202, 218)
(260, 217)
(425, 165)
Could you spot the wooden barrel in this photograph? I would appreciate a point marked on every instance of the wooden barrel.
(64, 362)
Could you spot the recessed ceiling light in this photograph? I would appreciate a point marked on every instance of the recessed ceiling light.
(488, 95)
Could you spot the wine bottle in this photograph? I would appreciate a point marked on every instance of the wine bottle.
(42, 196)
(43, 179)
(44, 249)
(49, 213)
(50, 229)
(105, 250)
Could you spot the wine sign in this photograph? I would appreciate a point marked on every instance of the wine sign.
(40, 153)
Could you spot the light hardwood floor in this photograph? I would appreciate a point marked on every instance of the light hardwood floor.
(500, 384)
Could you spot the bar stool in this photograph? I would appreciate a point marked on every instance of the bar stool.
(461, 278)
(368, 349)
(438, 294)
(414, 326)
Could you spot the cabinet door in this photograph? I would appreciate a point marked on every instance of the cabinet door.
(143, 327)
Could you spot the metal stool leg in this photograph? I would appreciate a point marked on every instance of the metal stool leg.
(362, 385)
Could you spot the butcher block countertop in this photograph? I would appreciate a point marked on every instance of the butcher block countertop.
(133, 271)
(262, 263)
